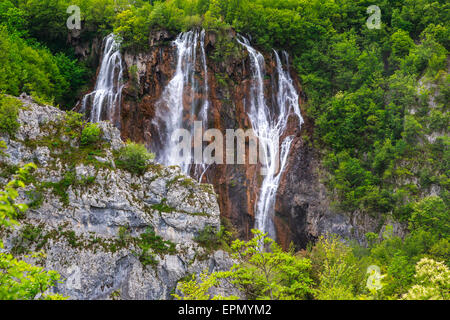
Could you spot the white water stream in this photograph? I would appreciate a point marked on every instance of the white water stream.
(105, 100)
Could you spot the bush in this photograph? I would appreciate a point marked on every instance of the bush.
(18, 279)
(152, 244)
(74, 123)
(430, 214)
(432, 281)
(9, 111)
(133, 158)
(208, 238)
(335, 269)
(90, 134)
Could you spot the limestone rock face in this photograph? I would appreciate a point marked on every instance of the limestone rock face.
(89, 216)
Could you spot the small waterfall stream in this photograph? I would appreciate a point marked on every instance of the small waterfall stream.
(269, 125)
(170, 115)
(105, 100)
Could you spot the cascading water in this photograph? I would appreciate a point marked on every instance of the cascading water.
(268, 122)
(269, 125)
(105, 100)
(170, 113)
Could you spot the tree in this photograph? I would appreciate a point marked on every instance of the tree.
(335, 270)
(432, 281)
(263, 272)
(269, 274)
(431, 214)
(200, 290)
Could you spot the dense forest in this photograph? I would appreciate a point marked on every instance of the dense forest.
(378, 98)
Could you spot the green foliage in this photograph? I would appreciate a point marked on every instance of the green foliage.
(431, 214)
(28, 65)
(18, 279)
(9, 210)
(9, 112)
(3, 147)
(28, 69)
(152, 244)
(133, 157)
(199, 290)
(91, 134)
(259, 273)
(208, 237)
(378, 98)
(74, 123)
(23, 281)
(272, 274)
(212, 239)
(13, 18)
(336, 270)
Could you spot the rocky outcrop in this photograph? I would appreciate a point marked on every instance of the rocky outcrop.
(229, 78)
(91, 218)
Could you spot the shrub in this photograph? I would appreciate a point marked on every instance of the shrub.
(3, 147)
(133, 157)
(432, 279)
(74, 122)
(90, 134)
(208, 238)
(9, 111)
(335, 269)
(18, 279)
(430, 214)
(152, 244)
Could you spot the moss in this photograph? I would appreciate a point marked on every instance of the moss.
(208, 238)
(6, 170)
(188, 183)
(226, 48)
(212, 239)
(174, 180)
(9, 113)
(36, 198)
(149, 243)
(91, 134)
(163, 207)
(59, 188)
(115, 295)
(71, 126)
(28, 236)
(156, 167)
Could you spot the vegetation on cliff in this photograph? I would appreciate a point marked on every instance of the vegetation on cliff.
(20, 280)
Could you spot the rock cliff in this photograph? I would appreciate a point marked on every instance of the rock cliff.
(110, 234)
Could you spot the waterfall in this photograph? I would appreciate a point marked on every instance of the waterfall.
(105, 100)
(269, 125)
(185, 100)
(171, 109)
